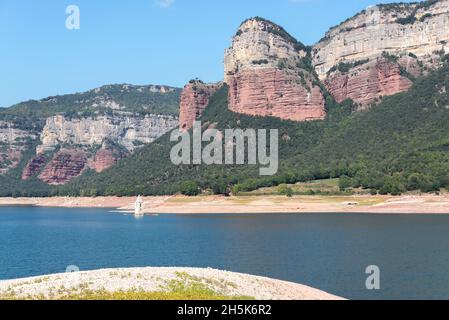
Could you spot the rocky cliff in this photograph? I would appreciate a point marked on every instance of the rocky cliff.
(64, 166)
(368, 82)
(104, 158)
(13, 141)
(92, 130)
(61, 166)
(194, 99)
(126, 129)
(269, 73)
(415, 35)
(34, 166)
(95, 143)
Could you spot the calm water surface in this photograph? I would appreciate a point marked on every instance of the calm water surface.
(326, 251)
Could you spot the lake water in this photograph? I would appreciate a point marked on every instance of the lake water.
(326, 251)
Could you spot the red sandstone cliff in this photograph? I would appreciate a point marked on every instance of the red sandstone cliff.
(68, 164)
(194, 99)
(272, 92)
(368, 82)
(65, 165)
(33, 167)
(103, 159)
(268, 74)
(414, 37)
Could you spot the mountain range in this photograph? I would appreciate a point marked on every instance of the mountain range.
(367, 104)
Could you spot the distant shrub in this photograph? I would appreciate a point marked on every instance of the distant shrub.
(424, 17)
(407, 20)
(262, 61)
(390, 57)
(282, 64)
(285, 190)
(346, 66)
(190, 188)
(344, 182)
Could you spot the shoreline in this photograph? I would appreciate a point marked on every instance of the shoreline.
(257, 204)
(148, 280)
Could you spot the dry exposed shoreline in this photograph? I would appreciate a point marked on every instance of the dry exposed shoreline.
(409, 204)
(225, 283)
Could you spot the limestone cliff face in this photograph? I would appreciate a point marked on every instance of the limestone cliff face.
(12, 144)
(268, 74)
(194, 99)
(127, 130)
(412, 36)
(420, 29)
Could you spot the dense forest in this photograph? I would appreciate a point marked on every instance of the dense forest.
(401, 144)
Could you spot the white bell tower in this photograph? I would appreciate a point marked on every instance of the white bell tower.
(138, 206)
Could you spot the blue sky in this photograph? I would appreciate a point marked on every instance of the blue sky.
(138, 41)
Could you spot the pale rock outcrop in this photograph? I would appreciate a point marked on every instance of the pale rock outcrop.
(415, 34)
(268, 75)
(127, 130)
(10, 134)
(383, 28)
(12, 145)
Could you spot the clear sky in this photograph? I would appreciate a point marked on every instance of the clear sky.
(138, 41)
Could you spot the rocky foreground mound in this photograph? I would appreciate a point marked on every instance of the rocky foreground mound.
(165, 282)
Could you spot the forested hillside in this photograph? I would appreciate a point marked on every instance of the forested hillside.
(151, 99)
(79, 122)
(401, 144)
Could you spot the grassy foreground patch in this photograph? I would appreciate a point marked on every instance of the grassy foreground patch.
(183, 287)
(135, 295)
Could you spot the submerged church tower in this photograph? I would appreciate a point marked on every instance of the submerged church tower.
(138, 206)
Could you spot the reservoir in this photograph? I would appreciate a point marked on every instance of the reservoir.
(327, 251)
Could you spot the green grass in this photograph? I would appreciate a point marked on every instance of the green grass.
(186, 294)
(183, 287)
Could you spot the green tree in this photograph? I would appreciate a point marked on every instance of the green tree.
(190, 188)
(344, 182)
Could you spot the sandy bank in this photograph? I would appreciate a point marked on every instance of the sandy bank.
(156, 279)
(410, 204)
